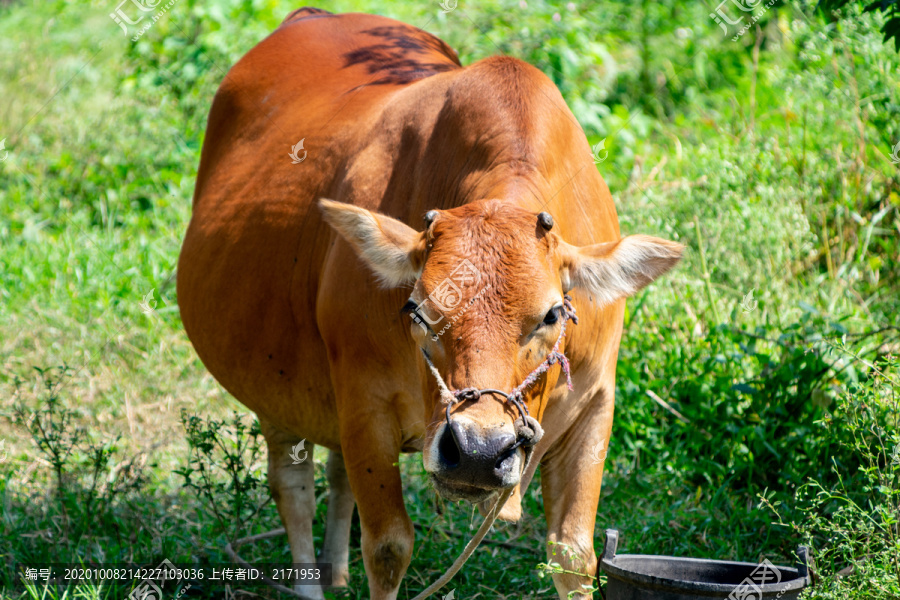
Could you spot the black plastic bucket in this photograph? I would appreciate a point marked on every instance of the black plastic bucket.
(646, 577)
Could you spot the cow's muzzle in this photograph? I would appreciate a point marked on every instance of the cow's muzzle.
(472, 463)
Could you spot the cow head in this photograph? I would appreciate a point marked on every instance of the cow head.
(489, 281)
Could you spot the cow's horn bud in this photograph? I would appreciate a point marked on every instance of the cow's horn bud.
(545, 220)
(430, 216)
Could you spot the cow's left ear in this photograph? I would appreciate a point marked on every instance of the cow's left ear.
(395, 251)
(614, 270)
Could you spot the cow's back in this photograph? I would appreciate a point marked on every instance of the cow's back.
(250, 266)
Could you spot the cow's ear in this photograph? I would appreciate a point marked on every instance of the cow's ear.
(614, 270)
(395, 251)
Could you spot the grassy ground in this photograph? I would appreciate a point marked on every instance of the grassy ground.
(770, 157)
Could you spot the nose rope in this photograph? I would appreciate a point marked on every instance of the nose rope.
(516, 397)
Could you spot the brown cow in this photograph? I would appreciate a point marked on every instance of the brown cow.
(301, 321)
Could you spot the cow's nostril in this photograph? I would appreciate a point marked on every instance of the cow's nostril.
(472, 456)
(448, 448)
(505, 456)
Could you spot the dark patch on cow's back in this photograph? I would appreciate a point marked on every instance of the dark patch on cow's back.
(305, 13)
(401, 55)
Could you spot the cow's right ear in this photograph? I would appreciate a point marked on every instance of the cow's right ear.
(395, 251)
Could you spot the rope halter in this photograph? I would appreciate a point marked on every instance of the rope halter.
(529, 431)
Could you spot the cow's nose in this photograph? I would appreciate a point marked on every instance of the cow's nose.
(474, 456)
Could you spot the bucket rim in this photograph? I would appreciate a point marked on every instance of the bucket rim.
(611, 569)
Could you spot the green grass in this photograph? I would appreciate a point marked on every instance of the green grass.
(782, 161)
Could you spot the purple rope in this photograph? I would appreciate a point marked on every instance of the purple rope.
(517, 395)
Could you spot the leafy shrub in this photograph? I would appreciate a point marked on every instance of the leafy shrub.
(89, 476)
(890, 9)
(746, 404)
(224, 471)
(853, 519)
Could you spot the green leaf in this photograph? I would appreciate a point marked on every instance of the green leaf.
(891, 29)
(744, 388)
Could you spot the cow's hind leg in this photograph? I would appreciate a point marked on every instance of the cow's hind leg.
(340, 514)
(293, 487)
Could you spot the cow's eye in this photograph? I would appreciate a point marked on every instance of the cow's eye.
(409, 307)
(412, 309)
(552, 316)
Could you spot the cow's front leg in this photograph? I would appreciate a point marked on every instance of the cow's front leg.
(371, 448)
(571, 473)
(292, 483)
